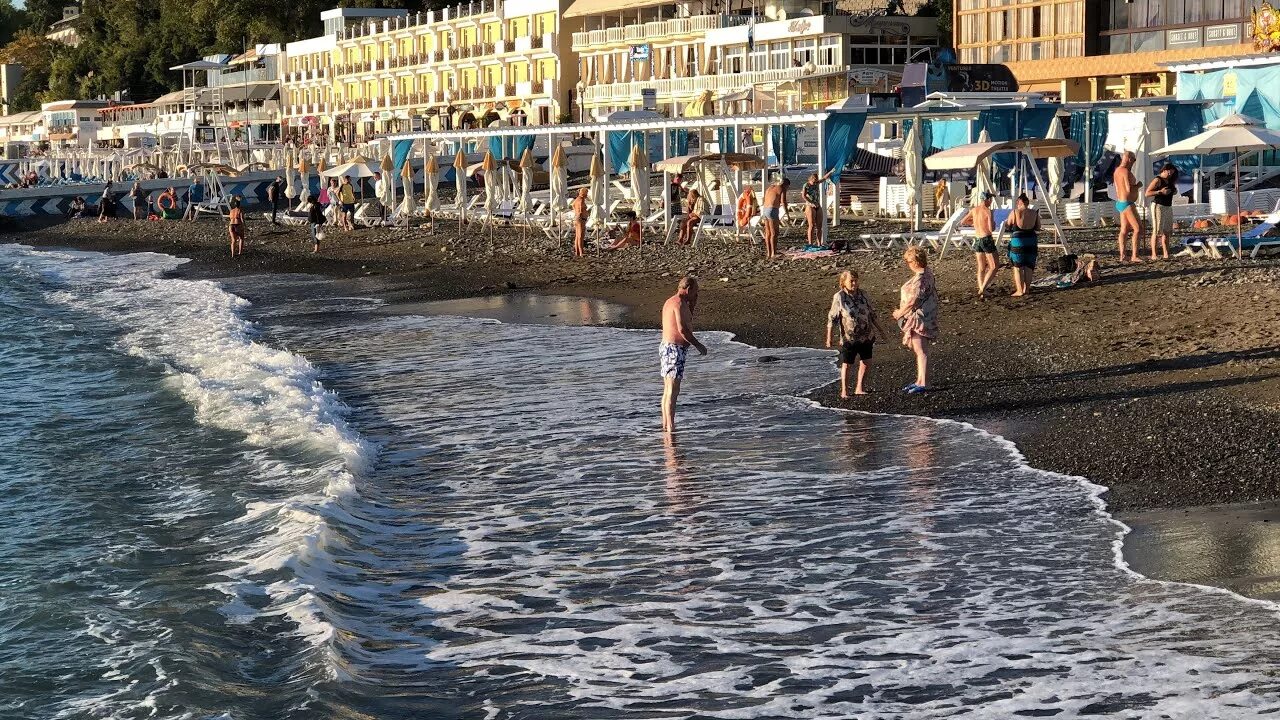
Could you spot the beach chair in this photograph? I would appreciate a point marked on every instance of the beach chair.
(1253, 240)
(938, 240)
(368, 215)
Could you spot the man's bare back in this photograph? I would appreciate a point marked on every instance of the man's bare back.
(983, 222)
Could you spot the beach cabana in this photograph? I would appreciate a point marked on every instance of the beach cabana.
(1235, 134)
(358, 168)
(968, 157)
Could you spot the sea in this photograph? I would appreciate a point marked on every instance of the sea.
(317, 505)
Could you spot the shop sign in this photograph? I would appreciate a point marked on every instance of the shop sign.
(979, 78)
(1222, 35)
(1187, 37)
(639, 53)
(1229, 85)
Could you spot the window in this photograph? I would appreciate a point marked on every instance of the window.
(1148, 42)
(1118, 44)
(780, 56)
(807, 51)
(829, 51)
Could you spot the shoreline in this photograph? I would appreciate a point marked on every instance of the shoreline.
(1163, 408)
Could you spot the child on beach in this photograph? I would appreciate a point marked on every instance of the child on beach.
(852, 313)
(315, 218)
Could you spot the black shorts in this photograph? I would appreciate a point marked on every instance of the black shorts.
(985, 244)
(850, 353)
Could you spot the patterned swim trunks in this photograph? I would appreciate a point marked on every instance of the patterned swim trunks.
(671, 359)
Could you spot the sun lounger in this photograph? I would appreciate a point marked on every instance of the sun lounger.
(1253, 240)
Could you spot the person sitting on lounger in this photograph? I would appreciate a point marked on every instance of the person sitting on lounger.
(695, 207)
(631, 236)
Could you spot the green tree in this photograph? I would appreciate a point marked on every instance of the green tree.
(34, 52)
(43, 13)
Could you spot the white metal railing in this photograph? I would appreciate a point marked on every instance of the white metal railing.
(656, 29)
(693, 85)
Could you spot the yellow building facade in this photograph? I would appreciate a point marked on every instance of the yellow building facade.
(458, 66)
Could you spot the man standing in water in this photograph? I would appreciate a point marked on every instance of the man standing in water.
(1127, 187)
(677, 336)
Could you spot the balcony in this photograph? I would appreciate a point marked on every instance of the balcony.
(656, 30)
(682, 88)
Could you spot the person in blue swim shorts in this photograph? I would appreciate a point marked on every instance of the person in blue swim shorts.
(677, 336)
(1126, 193)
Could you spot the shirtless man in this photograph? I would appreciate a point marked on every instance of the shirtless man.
(984, 246)
(771, 215)
(677, 336)
(1127, 187)
(580, 215)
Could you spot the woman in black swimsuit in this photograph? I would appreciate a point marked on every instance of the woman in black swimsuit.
(1024, 248)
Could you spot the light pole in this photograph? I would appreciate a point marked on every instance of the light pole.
(582, 106)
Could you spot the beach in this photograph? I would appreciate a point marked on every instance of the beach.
(1156, 382)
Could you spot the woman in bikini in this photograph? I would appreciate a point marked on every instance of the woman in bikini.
(235, 227)
(1024, 248)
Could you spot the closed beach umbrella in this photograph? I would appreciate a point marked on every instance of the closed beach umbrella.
(982, 182)
(430, 177)
(388, 167)
(599, 188)
(460, 183)
(913, 171)
(1142, 159)
(559, 179)
(639, 162)
(526, 180)
(1234, 133)
(304, 192)
(491, 180)
(1055, 164)
(410, 204)
(290, 187)
(321, 165)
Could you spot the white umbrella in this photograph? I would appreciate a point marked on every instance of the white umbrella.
(913, 170)
(358, 168)
(982, 181)
(460, 182)
(304, 194)
(526, 180)
(1234, 133)
(491, 180)
(409, 205)
(639, 162)
(1054, 191)
(388, 198)
(1142, 159)
(599, 190)
(290, 188)
(430, 178)
(559, 180)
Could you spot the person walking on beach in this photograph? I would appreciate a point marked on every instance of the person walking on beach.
(677, 336)
(813, 208)
(106, 204)
(1127, 187)
(694, 207)
(347, 197)
(235, 227)
(275, 191)
(940, 196)
(1161, 191)
(580, 216)
(379, 191)
(917, 315)
(853, 315)
(1024, 244)
(775, 197)
(984, 245)
(315, 218)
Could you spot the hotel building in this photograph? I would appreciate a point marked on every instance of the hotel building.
(704, 56)
(388, 71)
(1100, 49)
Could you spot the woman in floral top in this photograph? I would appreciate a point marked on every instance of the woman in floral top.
(851, 312)
(917, 315)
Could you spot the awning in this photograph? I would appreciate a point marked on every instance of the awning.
(739, 96)
(248, 57)
(909, 7)
(174, 97)
(598, 7)
(967, 157)
(737, 161)
(199, 65)
(243, 93)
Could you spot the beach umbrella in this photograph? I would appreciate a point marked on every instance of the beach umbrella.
(304, 191)
(491, 181)
(410, 204)
(598, 190)
(982, 175)
(320, 164)
(357, 168)
(526, 180)
(559, 179)
(913, 174)
(1234, 133)
(430, 177)
(1142, 159)
(1054, 164)
(639, 162)
(388, 167)
(460, 183)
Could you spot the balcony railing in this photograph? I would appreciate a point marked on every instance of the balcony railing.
(650, 31)
(408, 22)
(685, 87)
